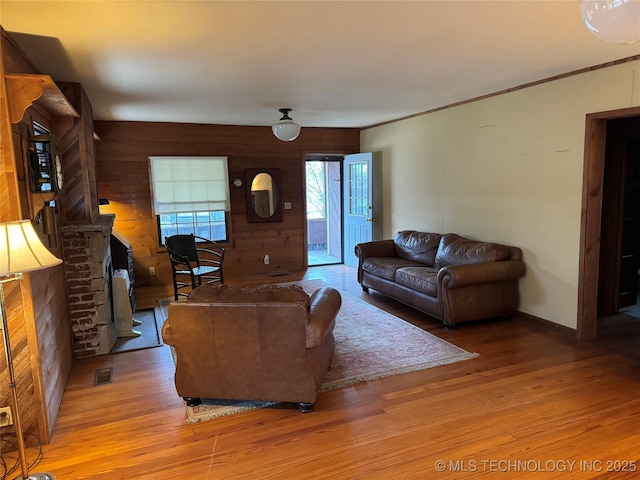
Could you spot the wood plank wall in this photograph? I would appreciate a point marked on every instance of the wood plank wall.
(37, 307)
(79, 198)
(123, 177)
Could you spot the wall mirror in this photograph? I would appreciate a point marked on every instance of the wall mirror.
(263, 195)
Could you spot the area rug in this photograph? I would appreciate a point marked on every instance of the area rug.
(370, 344)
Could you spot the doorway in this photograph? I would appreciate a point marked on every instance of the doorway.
(618, 321)
(605, 251)
(324, 209)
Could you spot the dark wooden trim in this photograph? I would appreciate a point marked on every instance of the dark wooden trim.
(512, 89)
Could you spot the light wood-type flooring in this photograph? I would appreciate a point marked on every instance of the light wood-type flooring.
(534, 404)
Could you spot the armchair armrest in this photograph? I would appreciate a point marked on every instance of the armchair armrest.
(454, 276)
(325, 303)
(167, 336)
(178, 259)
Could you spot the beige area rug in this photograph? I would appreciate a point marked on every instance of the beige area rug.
(370, 344)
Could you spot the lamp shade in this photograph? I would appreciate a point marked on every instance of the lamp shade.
(286, 129)
(615, 21)
(21, 249)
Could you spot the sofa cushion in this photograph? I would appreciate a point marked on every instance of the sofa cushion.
(416, 246)
(421, 279)
(457, 250)
(385, 267)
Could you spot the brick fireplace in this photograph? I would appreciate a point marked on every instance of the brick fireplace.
(88, 268)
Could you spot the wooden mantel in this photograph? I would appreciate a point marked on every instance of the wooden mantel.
(25, 89)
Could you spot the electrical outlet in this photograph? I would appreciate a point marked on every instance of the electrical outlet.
(5, 417)
(152, 271)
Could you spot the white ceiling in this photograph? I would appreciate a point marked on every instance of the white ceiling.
(336, 63)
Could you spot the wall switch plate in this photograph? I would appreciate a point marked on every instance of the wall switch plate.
(152, 271)
(287, 205)
(266, 259)
(6, 418)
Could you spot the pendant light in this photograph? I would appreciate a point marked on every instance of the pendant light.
(286, 129)
(615, 21)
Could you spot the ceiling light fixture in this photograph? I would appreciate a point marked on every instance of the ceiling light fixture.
(286, 129)
(615, 21)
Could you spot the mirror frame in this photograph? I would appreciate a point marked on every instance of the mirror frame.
(249, 175)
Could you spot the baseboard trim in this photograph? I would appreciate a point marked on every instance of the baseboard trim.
(548, 325)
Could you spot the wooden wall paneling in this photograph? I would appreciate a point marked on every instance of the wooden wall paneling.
(72, 194)
(10, 199)
(13, 58)
(10, 210)
(28, 387)
(36, 341)
(122, 177)
(17, 337)
(80, 191)
(39, 407)
(87, 142)
(144, 247)
(54, 337)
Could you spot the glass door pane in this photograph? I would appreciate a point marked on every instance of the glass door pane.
(324, 220)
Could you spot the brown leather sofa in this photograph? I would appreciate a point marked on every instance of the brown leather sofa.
(270, 343)
(452, 278)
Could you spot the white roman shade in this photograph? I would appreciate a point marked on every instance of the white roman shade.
(189, 184)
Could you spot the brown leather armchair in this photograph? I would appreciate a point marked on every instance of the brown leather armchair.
(270, 343)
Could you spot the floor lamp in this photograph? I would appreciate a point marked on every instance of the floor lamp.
(21, 251)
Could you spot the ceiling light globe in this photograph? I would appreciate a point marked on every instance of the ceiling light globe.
(286, 130)
(615, 21)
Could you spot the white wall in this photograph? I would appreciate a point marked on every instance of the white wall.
(506, 169)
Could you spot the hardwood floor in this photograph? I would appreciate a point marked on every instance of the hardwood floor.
(534, 404)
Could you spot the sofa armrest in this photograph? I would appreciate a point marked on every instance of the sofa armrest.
(325, 304)
(453, 276)
(376, 248)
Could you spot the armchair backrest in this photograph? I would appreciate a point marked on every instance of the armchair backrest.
(183, 246)
(243, 343)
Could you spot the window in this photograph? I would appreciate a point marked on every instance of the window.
(211, 225)
(316, 189)
(39, 129)
(190, 195)
(358, 192)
